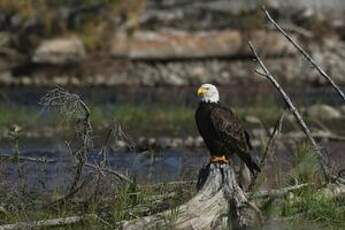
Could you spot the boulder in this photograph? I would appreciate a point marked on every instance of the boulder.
(5, 39)
(174, 44)
(6, 78)
(324, 112)
(60, 51)
(9, 57)
(342, 109)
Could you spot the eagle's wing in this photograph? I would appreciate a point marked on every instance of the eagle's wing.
(229, 129)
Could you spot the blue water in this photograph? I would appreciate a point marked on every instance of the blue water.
(146, 167)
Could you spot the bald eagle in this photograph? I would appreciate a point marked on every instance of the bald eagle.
(221, 130)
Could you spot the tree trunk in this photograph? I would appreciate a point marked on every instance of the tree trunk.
(219, 202)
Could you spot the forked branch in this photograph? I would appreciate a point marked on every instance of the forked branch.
(317, 149)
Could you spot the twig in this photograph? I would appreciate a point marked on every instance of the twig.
(21, 158)
(48, 223)
(304, 53)
(276, 130)
(297, 30)
(110, 171)
(276, 193)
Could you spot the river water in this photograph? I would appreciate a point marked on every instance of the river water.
(148, 167)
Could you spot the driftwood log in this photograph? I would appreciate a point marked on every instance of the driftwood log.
(219, 203)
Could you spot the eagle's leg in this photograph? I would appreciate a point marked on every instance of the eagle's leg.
(219, 159)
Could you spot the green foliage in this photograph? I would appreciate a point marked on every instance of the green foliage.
(149, 119)
(315, 206)
(126, 198)
(17, 115)
(153, 119)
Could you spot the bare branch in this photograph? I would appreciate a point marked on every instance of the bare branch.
(304, 53)
(323, 162)
(276, 131)
(32, 159)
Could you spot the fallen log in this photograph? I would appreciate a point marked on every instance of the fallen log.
(219, 201)
(22, 158)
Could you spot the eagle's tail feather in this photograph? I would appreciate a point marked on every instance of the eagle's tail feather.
(252, 165)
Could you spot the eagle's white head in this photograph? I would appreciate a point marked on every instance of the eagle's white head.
(208, 93)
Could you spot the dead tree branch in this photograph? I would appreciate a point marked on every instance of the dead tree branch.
(317, 149)
(304, 53)
(32, 159)
(48, 223)
(268, 149)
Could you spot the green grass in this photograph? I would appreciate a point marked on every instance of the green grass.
(124, 203)
(20, 115)
(305, 165)
(115, 204)
(316, 207)
(151, 120)
(310, 207)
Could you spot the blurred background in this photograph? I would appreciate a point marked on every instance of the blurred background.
(138, 63)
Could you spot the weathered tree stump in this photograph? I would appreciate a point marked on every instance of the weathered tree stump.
(219, 203)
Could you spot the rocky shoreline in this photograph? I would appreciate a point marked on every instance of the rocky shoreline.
(158, 49)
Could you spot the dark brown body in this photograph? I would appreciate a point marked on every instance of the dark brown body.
(223, 133)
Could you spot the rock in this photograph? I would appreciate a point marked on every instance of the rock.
(253, 119)
(6, 78)
(165, 142)
(324, 112)
(59, 51)
(335, 7)
(176, 142)
(174, 44)
(9, 57)
(189, 142)
(342, 109)
(26, 81)
(5, 39)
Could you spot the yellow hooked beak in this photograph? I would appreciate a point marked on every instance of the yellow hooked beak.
(201, 92)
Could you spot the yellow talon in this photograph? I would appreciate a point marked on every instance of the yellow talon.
(219, 159)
